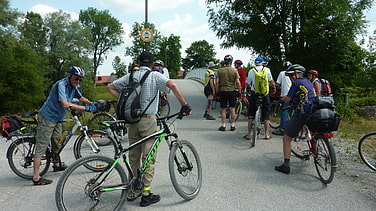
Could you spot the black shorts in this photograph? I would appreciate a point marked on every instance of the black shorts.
(227, 99)
(295, 125)
(208, 91)
(265, 109)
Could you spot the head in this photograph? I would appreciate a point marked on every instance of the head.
(295, 71)
(135, 67)
(211, 65)
(146, 59)
(286, 65)
(222, 63)
(159, 64)
(259, 61)
(238, 63)
(312, 74)
(75, 75)
(228, 59)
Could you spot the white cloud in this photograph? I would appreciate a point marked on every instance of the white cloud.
(43, 10)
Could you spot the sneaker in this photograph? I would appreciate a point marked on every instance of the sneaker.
(210, 117)
(233, 128)
(279, 132)
(150, 199)
(42, 181)
(205, 115)
(222, 128)
(282, 168)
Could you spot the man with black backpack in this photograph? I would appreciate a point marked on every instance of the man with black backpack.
(147, 124)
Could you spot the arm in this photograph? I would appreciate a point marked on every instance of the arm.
(317, 86)
(212, 85)
(111, 88)
(238, 85)
(66, 104)
(177, 92)
(286, 99)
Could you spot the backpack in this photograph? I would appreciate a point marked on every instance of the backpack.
(128, 106)
(323, 117)
(325, 87)
(261, 81)
(10, 124)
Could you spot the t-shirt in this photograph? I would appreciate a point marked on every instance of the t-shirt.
(302, 94)
(285, 83)
(227, 77)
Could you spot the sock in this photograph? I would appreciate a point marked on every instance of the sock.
(287, 163)
(223, 124)
(232, 124)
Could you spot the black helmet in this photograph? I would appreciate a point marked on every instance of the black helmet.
(294, 69)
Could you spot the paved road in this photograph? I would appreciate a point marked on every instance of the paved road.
(235, 177)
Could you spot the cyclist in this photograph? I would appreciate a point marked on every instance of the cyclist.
(227, 83)
(300, 95)
(54, 109)
(260, 64)
(313, 75)
(209, 90)
(148, 123)
(284, 82)
(242, 73)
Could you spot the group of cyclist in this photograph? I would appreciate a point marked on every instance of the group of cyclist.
(296, 91)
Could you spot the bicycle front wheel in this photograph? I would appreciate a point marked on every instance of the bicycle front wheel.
(20, 156)
(185, 169)
(325, 160)
(83, 147)
(93, 123)
(367, 150)
(256, 127)
(238, 109)
(275, 115)
(81, 189)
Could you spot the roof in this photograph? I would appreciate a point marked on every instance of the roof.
(105, 79)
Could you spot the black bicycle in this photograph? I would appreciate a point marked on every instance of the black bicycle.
(367, 150)
(80, 188)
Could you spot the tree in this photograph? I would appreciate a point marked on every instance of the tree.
(119, 67)
(106, 32)
(317, 34)
(169, 52)
(199, 54)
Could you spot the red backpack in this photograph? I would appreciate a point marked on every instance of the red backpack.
(325, 87)
(10, 124)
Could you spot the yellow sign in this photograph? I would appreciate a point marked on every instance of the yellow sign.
(146, 35)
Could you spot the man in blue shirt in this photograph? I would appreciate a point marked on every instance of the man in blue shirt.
(300, 95)
(53, 110)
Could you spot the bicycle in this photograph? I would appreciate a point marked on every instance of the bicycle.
(319, 146)
(241, 103)
(20, 153)
(81, 189)
(163, 105)
(367, 150)
(256, 123)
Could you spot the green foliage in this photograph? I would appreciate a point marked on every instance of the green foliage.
(119, 67)
(169, 52)
(199, 54)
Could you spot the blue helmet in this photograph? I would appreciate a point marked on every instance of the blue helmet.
(77, 71)
(259, 60)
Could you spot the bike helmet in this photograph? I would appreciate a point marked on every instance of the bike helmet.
(159, 63)
(238, 62)
(313, 72)
(294, 69)
(228, 59)
(287, 64)
(259, 60)
(77, 71)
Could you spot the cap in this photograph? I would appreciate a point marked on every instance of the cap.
(146, 57)
(211, 64)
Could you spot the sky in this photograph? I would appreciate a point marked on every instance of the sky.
(184, 18)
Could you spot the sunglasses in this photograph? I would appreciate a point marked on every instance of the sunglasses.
(78, 79)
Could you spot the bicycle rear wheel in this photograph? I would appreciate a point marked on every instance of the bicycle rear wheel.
(185, 169)
(367, 150)
(325, 160)
(81, 189)
(299, 146)
(256, 127)
(83, 148)
(275, 115)
(93, 124)
(238, 109)
(20, 156)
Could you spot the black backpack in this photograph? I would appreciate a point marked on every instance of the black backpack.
(323, 117)
(128, 106)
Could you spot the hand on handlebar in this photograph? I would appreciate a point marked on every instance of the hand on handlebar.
(185, 111)
(90, 108)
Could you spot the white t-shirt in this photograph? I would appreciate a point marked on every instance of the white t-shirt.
(285, 83)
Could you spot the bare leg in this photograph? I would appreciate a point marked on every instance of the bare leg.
(266, 125)
(36, 175)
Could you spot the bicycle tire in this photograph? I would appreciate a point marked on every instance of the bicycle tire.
(187, 182)
(238, 109)
(325, 160)
(164, 108)
(367, 150)
(78, 186)
(275, 115)
(256, 126)
(20, 156)
(82, 147)
(299, 146)
(93, 123)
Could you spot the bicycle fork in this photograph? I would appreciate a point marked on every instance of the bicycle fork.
(182, 166)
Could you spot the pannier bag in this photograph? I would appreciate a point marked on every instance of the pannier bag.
(324, 120)
(10, 124)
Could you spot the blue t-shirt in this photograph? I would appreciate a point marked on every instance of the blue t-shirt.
(61, 90)
(302, 93)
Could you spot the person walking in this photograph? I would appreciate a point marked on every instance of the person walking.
(154, 83)
(209, 90)
(301, 95)
(53, 110)
(259, 85)
(228, 87)
(284, 82)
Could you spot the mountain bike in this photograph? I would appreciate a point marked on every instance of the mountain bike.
(242, 103)
(82, 189)
(319, 146)
(367, 150)
(256, 123)
(20, 153)
(163, 105)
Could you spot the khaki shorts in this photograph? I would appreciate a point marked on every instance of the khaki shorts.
(46, 131)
